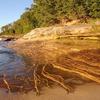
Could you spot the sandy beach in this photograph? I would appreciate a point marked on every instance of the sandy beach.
(89, 91)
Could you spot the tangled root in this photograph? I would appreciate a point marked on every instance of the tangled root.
(79, 72)
(56, 78)
(41, 75)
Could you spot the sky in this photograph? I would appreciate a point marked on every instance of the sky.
(10, 10)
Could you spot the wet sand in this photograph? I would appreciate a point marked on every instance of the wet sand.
(89, 91)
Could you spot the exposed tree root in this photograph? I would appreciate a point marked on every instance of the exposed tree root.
(36, 81)
(80, 72)
(6, 83)
(56, 78)
(44, 65)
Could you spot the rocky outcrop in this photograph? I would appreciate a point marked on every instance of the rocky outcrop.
(80, 30)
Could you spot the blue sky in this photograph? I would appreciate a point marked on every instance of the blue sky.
(10, 10)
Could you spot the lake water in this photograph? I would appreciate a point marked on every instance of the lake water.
(10, 63)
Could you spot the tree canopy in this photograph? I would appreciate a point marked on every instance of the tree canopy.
(50, 12)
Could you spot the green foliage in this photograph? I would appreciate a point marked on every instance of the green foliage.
(50, 12)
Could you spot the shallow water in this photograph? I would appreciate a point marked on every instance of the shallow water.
(10, 63)
(4, 58)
